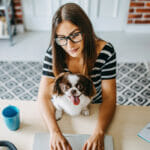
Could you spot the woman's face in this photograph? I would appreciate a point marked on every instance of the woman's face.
(65, 29)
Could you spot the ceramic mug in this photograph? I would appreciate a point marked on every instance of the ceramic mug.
(11, 116)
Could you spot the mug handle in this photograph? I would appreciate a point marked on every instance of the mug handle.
(8, 144)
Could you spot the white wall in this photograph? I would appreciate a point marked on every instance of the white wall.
(106, 15)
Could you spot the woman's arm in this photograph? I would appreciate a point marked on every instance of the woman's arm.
(48, 112)
(46, 107)
(106, 112)
(108, 106)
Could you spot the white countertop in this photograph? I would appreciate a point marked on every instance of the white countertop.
(128, 121)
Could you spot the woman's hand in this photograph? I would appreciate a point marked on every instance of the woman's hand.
(58, 142)
(95, 142)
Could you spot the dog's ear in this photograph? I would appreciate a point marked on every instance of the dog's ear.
(56, 87)
(90, 88)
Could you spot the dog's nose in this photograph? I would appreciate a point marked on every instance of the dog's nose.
(73, 92)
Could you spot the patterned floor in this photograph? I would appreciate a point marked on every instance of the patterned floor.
(133, 84)
(20, 80)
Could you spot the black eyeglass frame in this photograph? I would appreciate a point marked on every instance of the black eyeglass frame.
(69, 38)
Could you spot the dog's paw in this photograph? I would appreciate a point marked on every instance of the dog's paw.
(58, 114)
(85, 112)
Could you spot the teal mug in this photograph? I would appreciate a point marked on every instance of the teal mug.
(11, 116)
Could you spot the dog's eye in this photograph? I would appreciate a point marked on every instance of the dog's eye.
(67, 86)
(79, 86)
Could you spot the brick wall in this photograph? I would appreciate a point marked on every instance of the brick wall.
(18, 11)
(139, 12)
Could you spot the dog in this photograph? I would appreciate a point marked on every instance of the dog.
(72, 94)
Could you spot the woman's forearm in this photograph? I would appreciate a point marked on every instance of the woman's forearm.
(108, 106)
(106, 113)
(46, 107)
(48, 113)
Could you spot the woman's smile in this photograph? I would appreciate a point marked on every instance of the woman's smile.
(74, 50)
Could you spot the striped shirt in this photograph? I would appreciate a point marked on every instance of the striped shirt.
(103, 69)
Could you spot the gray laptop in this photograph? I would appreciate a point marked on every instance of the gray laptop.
(41, 141)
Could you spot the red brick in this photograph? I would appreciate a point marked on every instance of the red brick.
(148, 4)
(16, 1)
(130, 22)
(147, 16)
(136, 4)
(18, 11)
(143, 10)
(131, 10)
(143, 0)
(142, 21)
(135, 16)
(18, 16)
(17, 4)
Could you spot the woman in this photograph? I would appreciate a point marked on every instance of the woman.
(75, 48)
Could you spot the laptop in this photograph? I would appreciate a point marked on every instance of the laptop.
(41, 141)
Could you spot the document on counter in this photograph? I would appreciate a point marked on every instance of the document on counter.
(77, 141)
(145, 133)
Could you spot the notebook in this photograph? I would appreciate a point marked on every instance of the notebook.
(41, 141)
(145, 133)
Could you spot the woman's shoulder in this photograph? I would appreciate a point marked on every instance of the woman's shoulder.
(105, 47)
(49, 50)
(48, 55)
(100, 44)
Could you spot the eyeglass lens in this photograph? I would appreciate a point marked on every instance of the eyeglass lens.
(75, 37)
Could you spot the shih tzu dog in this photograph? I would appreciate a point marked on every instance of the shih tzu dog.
(72, 93)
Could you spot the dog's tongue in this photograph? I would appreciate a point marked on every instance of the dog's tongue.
(75, 100)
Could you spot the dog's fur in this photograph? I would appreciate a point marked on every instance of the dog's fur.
(72, 93)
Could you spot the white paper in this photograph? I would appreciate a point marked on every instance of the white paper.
(41, 141)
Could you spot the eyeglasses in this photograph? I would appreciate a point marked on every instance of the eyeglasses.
(75, 38)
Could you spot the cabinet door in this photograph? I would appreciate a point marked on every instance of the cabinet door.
(104, 14)
(37, 14)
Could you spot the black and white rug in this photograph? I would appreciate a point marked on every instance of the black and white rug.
(133, 84)
(20, 80)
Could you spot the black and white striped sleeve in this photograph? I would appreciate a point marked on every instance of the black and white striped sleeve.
(47, 64)
(109, 68)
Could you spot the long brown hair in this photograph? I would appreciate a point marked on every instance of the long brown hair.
(75, 14)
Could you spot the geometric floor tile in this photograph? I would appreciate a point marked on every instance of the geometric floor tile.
(133, 82)
(20, 80)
